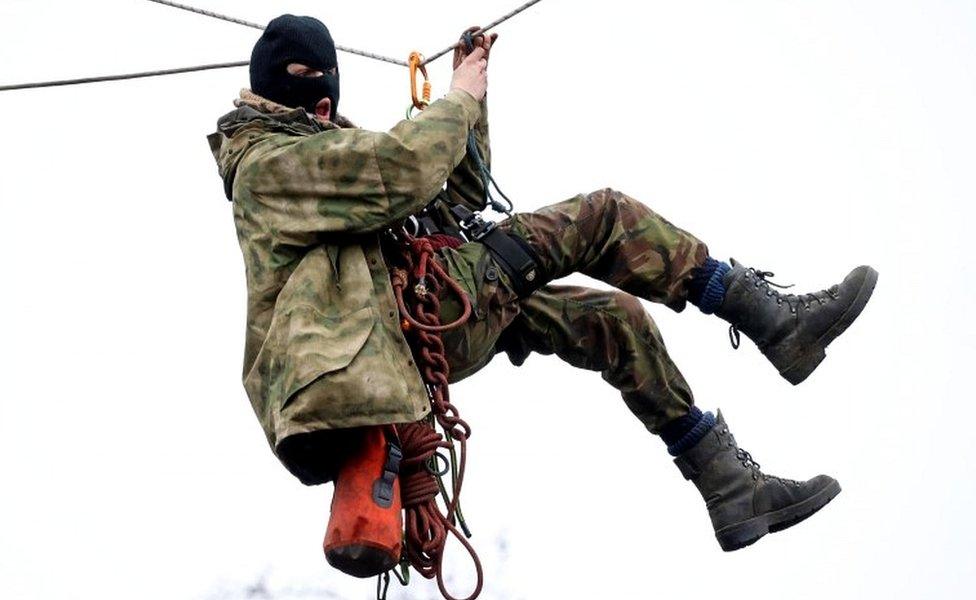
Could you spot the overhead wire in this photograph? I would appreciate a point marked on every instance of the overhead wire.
(214, 15)
(491, 25)
(225, 65)
(103, 78)
(208, 13)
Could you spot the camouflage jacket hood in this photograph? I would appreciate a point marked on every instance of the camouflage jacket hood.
(323, 346)
(253, 109)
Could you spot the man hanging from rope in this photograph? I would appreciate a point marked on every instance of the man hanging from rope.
(322, 210)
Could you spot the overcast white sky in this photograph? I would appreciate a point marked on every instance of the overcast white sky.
(802, 137)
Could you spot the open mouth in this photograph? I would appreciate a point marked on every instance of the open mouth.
(324, 108)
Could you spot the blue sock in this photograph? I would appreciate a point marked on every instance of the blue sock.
(684, 432)
(705, 288)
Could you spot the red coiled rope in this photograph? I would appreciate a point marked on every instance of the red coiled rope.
(426, 526)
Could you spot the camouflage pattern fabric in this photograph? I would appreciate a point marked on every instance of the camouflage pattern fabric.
(323, 347)
(606, 235)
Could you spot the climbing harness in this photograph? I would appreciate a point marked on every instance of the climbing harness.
(516, 258)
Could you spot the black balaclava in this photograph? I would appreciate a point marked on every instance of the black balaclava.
(291, 39)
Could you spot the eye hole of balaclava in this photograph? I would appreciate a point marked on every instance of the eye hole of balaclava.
(303, 40)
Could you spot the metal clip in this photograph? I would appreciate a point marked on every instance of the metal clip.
(421, 288)
(383, 487)
(422, 101)
(472, 224)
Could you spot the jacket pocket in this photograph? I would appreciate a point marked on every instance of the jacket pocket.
(316, 344)
(302, 345)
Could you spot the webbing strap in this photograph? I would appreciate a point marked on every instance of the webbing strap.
(517, 259)
(514, 255)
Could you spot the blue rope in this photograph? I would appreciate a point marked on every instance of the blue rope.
(487, 178)
(475, 153)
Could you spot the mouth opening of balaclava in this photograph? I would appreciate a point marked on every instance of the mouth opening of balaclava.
(304, 40)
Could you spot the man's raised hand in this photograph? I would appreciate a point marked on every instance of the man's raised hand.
(471, 75)
(486, 42)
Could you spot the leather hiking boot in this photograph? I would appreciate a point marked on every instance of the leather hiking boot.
(743, 502)
(792, 330)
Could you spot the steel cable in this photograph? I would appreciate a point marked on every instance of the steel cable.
(491, 25)
(103, 78)
(207, 13)
(214, 15)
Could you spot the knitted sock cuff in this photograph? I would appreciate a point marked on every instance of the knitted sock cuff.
(676, 429)
(714, 293)
(694, 435)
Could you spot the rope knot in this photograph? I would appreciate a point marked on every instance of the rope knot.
(426, 526)
(399, 278)
(421, 246)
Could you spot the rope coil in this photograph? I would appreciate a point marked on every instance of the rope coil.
(426, 526)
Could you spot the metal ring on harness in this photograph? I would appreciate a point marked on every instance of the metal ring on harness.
(411, 226)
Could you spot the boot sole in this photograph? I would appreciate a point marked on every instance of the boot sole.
(748, 532)
(805, 365)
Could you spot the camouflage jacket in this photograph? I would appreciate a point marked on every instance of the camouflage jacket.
(323, 346)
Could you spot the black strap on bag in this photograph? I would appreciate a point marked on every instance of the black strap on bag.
(513, 254)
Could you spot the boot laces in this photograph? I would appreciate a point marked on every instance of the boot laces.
(747, 459)
(750, 463)
(793, 301)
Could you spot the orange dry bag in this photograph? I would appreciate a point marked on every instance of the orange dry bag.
(365, 533)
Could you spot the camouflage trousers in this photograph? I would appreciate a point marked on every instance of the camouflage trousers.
(608, 236)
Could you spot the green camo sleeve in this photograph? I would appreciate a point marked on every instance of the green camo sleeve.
(465, 185)
(351, 180)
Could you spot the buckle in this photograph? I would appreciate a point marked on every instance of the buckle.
(473, 226)
(383, 487)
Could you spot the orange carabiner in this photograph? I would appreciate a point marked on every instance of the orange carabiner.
(423, 101)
